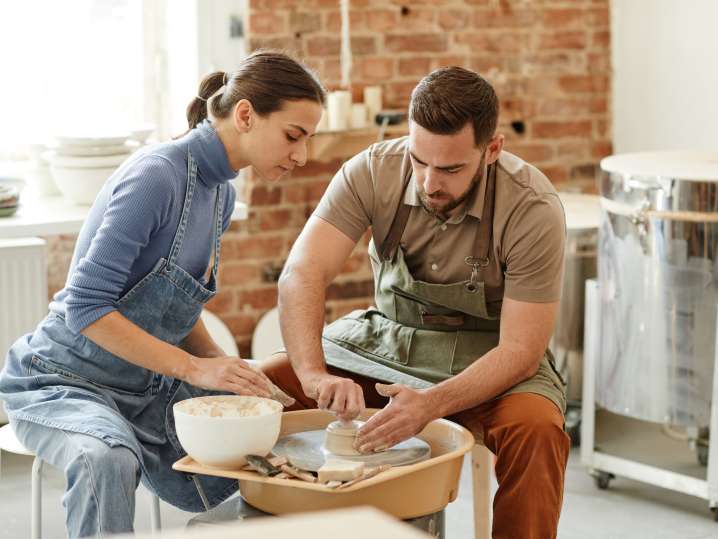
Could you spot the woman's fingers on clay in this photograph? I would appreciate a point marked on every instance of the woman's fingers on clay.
(245, 371)
(339, 400)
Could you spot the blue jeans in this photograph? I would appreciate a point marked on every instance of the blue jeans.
(101, 480)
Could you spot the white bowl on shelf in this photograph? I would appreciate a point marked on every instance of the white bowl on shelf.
(79, 150)
(92, 139)
(80, 185)
(141, 133)
(220, 431)
(74, 161)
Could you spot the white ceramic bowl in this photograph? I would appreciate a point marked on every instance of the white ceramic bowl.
(141, 133)
(220, 431)
(93, 139)
(80, 185)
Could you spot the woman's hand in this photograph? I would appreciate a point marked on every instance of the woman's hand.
(226, 373)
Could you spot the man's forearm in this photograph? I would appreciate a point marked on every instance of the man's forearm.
(301, 310)
(490, 375)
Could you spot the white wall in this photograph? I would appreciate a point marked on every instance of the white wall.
(665, 85)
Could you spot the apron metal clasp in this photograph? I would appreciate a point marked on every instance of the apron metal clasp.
(475, 262)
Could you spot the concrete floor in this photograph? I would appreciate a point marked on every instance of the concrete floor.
(627, 509)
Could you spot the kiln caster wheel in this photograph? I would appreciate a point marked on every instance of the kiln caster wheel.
(603, 479)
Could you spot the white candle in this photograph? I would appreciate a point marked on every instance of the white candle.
(339, 108)
(359, 116)
(372, 100)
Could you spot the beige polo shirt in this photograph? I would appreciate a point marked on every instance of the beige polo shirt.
(528, 234)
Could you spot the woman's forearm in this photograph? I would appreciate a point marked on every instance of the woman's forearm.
(119, 336)
(200, 343)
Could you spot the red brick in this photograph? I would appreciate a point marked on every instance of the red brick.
(416, 43)
(318, 168)
(600, 16)
(258, 298)
(233, 273)
(315, 189)
(267, 22)
(563, 17)
(504, 17)
(600, 39)
(350, 289)
(573, 39)
(381, 20)
(446, 60)
(565, 107)
(601, 149)
(421, 19)
(255, 246)
(584, 83)
(223, 302)
(323, 46)
(454, 19)
(333, 21)
(555, 173)
(398, 93)
(275, 219)
(332, 69)
(418, 65)
(304, 22)
(503, 43)
(240, 325)
(573, 149)
(363, 45)
(262, 195)
(601, 128)
(287, 43)
(531, 152)
(576, 128)
(376, 68)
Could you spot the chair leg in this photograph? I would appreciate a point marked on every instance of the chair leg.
(36, 493)
(155, 516)
(481, 462)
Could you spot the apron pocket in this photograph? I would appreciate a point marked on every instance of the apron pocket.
(41, 366)
(470, 346)
(370, 333)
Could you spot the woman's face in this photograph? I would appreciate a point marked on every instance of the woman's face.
(274, 144)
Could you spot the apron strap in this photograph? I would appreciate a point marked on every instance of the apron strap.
(484, 239)
(179, 235)
(387, 249)
(217, 231)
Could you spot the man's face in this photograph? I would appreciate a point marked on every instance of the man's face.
(446, 167)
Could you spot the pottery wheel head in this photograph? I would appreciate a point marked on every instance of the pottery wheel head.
(307, 450)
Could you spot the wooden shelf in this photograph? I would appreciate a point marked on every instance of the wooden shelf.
(329, 145)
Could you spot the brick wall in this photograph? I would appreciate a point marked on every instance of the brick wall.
(548, 60)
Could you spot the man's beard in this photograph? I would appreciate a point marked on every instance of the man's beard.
(452, 203)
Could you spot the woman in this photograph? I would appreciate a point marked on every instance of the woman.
(91, 390)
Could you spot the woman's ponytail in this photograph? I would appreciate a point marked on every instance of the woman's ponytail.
(198, 107)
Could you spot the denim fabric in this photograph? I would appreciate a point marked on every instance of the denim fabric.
(59, 379)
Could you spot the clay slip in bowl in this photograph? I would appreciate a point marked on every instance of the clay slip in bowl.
(220, 431)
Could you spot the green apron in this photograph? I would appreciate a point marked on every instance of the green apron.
(421, 333)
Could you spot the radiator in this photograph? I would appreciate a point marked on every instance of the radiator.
(23, 291)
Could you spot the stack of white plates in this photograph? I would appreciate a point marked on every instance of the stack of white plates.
(80, 164)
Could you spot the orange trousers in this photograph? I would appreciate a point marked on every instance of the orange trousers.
(525, 432)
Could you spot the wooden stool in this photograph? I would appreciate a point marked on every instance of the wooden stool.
(482, 462)
(10, 443)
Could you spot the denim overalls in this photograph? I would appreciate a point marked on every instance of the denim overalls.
(59, 379)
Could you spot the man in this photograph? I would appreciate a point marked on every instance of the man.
(467, 255)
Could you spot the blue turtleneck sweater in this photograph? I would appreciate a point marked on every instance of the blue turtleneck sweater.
(134, 219)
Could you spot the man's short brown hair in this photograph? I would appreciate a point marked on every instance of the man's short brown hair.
(447, 98)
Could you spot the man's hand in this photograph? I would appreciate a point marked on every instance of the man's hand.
(405, 416)
(342, 396)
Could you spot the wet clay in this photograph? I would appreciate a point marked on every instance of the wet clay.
(340, 437)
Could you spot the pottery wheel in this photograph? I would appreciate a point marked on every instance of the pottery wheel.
(306, 450)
